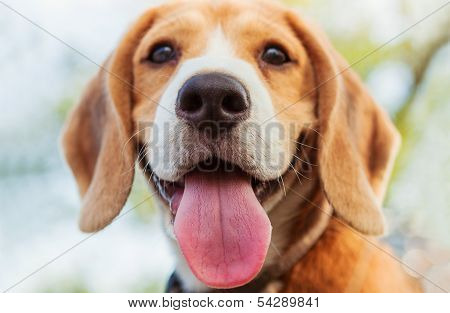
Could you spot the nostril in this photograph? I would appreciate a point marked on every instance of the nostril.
(234, 104)
(191, 102)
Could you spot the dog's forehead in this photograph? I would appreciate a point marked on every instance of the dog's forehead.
(209, 13)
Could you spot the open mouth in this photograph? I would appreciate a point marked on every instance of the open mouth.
(220, 225)
(172, 192)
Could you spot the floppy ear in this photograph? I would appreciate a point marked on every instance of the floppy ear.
(97, 137)
(357, 142)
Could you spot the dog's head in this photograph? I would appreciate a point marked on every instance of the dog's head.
(212, 98)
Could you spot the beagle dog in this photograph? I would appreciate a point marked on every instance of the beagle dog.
(268, 156)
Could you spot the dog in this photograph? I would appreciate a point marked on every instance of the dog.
(267, 155)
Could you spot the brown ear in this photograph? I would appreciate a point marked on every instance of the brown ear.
(97, 137)
(358, 143)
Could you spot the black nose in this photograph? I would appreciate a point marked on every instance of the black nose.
(213, 100)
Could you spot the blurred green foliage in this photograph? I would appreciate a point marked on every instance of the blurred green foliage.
(67, 285)
(62, 109)
(141, 190)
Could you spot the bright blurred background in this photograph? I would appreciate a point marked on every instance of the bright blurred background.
(41, 79)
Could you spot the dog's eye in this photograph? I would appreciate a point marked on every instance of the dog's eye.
(162, 53)
(274, 55)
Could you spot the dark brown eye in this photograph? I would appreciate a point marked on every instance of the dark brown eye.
(274, 55)
(162, 53)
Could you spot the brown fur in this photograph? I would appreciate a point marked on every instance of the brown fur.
(345, 261)
(357, 142)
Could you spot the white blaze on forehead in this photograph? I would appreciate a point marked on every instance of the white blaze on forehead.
(218, 44)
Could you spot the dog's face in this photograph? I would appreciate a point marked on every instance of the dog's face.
(231, 68)
(211, 98)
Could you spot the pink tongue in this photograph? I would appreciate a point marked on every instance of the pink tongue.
(222, 229)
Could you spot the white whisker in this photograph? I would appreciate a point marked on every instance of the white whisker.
(284, 186)
(296, 174)
(304, 161)
(304, 145)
